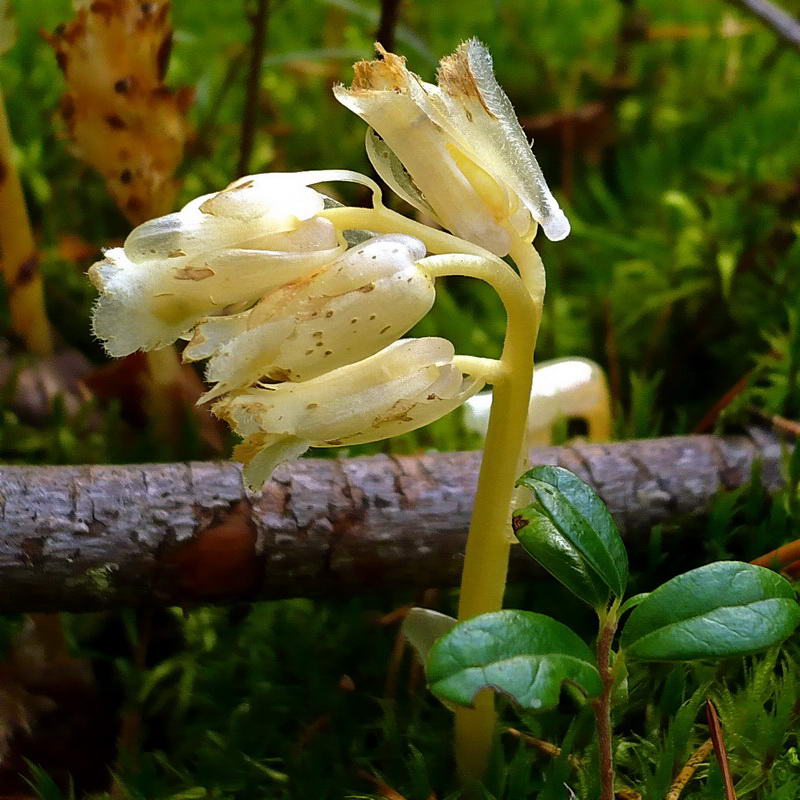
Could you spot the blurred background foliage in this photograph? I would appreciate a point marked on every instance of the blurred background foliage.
(670, 130)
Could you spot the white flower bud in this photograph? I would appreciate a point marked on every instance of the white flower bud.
(563, 388)
(456, 149)
(351, 308)
(409, 384)
(219, 254)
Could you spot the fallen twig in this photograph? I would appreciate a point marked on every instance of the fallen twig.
(689, 768)
(91, 537)
(779, 21)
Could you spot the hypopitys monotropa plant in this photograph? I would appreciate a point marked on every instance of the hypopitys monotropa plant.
(300, 304)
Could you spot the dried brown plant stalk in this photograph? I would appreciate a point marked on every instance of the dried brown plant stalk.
(120, 117)
(700, 755)
(126, 123)
(19, 254)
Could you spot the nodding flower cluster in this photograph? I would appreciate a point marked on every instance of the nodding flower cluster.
(302, 334)
(299, 317)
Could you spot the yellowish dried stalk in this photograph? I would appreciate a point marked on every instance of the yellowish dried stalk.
(120, 117)
(19, 255)
(124, 122)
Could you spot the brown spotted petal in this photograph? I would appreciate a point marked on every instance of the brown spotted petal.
(405, 386)
(456, 149)
(220, 253)
(351, 308)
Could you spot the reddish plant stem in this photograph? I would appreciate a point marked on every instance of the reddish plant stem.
(602, 706)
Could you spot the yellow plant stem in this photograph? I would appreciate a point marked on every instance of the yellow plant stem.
(490, 369)
(19, 256)
(486, 557)
(530, 266)
(483, 578)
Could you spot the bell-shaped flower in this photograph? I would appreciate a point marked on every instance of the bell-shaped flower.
(456, 149)
(563, 389)
(217, 255)
(410, 383)
(347, 310)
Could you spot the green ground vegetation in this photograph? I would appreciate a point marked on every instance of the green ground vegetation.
(670, 130)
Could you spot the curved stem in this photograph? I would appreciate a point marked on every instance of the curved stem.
(490, 369)
(531, 269)
(384, 220)
(486, 557)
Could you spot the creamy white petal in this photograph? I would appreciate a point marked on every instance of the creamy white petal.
(403, 387)
(356, 305)
(465, 152)
(492, 132)
(388, 106)
(218, 255)
(261, 454)
(148, 305)
(393, 173)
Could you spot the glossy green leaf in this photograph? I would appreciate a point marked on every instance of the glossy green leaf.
(523, 655)
(632, 602)
(546, 545)
(581, 518)
(724, 609)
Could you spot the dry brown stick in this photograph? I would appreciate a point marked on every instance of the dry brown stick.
(91, 537)
(258, 20)
(387, 25)
(554, 751)
(689, 768)
(779, 21)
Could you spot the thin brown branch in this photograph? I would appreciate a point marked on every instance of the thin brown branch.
(383, 789)
(783, 24)
(387, 26)
(711, 416)
(689, 768)
(548, 748)
(91, 537)
(258, 20)
(554, 751)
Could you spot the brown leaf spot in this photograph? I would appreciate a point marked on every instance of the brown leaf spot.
(162, 57)
(193, 273)
(116, 122)
(28, 270)
(280, 374)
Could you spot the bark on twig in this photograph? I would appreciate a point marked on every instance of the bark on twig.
(779, 21)
(91, 537)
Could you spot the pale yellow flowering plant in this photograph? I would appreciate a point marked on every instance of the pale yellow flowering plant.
(300, 305)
